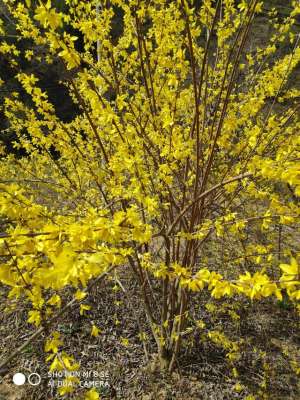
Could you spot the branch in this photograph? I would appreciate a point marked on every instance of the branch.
(204, 194)
(53, 319)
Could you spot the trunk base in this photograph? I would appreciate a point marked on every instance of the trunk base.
(164, 359)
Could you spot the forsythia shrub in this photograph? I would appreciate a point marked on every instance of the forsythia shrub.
(178, 165)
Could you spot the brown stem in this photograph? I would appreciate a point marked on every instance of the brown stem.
(52, 320)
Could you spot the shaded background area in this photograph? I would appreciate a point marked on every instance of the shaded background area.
(51, 75)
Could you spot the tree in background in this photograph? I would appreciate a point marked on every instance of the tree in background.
(177, 170)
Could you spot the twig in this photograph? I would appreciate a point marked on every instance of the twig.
(53, 319)
(204, 194)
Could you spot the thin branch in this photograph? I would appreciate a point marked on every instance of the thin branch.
(52, 320)
(204, 194)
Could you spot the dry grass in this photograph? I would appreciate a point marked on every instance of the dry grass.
(204, 371)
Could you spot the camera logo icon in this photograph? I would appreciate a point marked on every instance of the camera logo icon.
(19, 379)
(34, 379)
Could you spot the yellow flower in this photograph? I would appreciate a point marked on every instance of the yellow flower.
(291, 271)
(83, 308)
(34, 317)
(92, 395)
(95, 331)
(55, 300)
(125, 342)
(53, 343)
(79, 295)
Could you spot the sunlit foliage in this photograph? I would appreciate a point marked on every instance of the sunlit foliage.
(182, 165)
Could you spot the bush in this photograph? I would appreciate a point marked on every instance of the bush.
(181, 168)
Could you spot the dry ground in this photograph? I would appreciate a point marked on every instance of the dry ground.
(269, 348)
